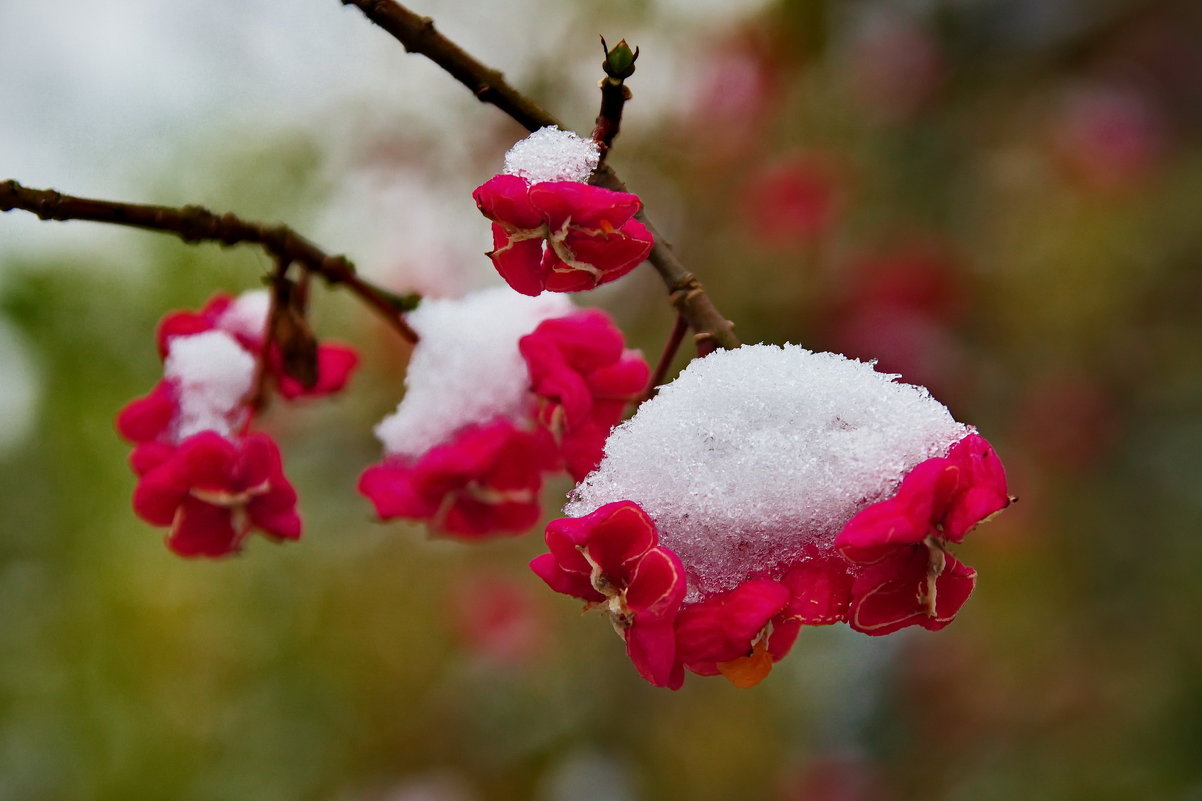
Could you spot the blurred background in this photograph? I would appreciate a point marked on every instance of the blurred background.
(999, 199)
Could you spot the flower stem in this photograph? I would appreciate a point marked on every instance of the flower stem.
(679, 327)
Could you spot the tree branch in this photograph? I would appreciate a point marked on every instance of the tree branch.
(418, 35)
(197, 224)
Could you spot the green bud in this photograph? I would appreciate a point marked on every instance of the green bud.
(619, 62)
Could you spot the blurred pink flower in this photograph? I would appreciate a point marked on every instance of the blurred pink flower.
(792, 200)
(211, 492)
(1110, 137)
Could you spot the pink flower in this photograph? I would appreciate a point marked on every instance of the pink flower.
(484, 481)
(498, 618)
(819, 595)
(148, 419)
(891, 569)
(200, 473)
(907, 576)
(561, 236)
(764, 508)
(611, 557)
(584, 379)
(211, 492)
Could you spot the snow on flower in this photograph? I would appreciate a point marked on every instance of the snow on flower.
(201, 473)
(791, 489)
(245, 319)
(500, 390)
(553, 232)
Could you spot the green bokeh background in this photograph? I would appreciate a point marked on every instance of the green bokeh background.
(339, 667)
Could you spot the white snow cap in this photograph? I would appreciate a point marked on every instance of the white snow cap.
(752, 454)
(213, 375)
(550, 154)
(467, 368)
(247, 315)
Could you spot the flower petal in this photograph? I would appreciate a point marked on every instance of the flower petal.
(723, 628)
(505, 199)
(202, 529)
(889, 595)
(657, 585)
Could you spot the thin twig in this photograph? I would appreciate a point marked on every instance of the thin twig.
(418, 35)
(679, 327)
(197, 224)
(618, 65)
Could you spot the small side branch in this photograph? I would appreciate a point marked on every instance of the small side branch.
(679, 328)
(197, 224)
(618, 66)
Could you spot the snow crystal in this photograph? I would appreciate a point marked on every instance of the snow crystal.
(213, 375)
(467, 367)
(752, 455)
(247, 315)
(550, 154)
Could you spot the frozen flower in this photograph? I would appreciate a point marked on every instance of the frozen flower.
(500, 390)
(245, 319)
(907, 575)
(552, 231)
(201, 472)
(561, 236)
(795, 489)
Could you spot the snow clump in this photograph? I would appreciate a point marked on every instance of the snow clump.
(213, 375)
(467, 368)
(753, 457)
(550, 154)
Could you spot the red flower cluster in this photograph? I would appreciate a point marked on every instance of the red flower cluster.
(561, 236)
(485, 479)
(888, 568)
(211, 487)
